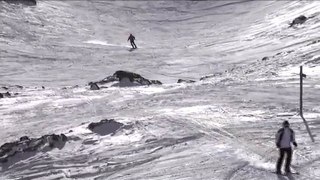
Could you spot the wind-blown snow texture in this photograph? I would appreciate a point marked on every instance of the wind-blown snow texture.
(222, 127)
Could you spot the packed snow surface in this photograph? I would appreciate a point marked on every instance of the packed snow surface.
(219, 128)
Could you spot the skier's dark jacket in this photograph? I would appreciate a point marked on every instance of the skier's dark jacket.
(284, 137)
(131, 38)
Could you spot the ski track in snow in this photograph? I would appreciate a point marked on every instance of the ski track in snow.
(222, 127)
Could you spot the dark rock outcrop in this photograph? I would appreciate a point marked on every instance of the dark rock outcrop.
(185, 81)
(7, 94)
(299, 20)
(265, 58)
(25, 144)
(105, 127)
(210, 76)
(24, 2)
(133, 77)
(126, 78)
(156, 82)
(94, 86)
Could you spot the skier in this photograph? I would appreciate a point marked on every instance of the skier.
(132, 38)
(284, 137)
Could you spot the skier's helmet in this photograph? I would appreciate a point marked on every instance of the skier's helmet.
(286, 124)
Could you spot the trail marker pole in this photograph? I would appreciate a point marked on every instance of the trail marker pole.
(301, 103)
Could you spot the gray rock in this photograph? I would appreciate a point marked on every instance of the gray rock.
(25, 144)
(94, 86)
(7, 94)
(126, 78)
(24, 2)
(185, 81)
(105, 127)
(299, 20)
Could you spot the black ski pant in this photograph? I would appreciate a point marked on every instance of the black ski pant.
(282, 152)
(134, 46)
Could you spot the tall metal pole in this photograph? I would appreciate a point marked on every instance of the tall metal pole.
(301, 101)
(301, 90)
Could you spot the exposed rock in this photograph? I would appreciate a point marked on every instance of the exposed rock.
(265, 58)
(314, 42)
(25, 144)
(210, 76)
(156, 82)
(185, 81)
(105, 127)
(126, 74)
(125, 79)
(108, 79)
(24, 138)
(299, 20)
(7, 94)
(24, 2)
(94, 86)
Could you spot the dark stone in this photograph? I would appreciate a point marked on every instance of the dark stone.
(126, 76)
(94, 86)
(24, 2)
(24, 138)
(211, 76)
(156, 82)
(185, 81)
(25, 144)
(108, 80)
(265, 58)
(18, 86)
(55, 137)
(7, 94)
(64, 137)
(105, 127)
(299, 20)
(43, 87)
(316, 41)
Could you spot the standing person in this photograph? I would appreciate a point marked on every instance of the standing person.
(132, 38)
(284, 137)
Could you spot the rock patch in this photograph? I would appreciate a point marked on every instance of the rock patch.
(25, 144)
(3, 95)
(105, 127)
(298, 20)
(185, 81)
(24, 2)
(124, 79)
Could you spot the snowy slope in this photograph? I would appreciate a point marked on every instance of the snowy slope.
(222, 127)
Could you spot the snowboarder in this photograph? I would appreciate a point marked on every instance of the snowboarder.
(284, 137)
(132, 38)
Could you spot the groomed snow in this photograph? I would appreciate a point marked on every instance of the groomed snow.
(221, 128)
